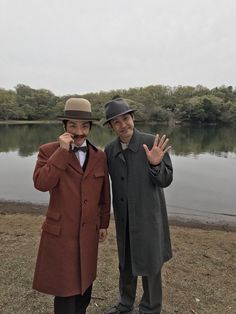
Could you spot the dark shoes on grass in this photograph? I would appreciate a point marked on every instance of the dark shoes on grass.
(117, 309)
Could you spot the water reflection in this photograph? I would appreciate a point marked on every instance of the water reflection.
(197, 140)
(203, 159)
(218, 141)
(27, 138)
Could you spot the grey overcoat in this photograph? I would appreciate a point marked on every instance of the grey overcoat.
(138, 195)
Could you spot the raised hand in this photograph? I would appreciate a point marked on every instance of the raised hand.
(159, 148)
(65, 140)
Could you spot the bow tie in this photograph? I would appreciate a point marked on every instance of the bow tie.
(80, 148)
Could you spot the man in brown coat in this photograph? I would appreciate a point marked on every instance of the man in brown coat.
(75, 173)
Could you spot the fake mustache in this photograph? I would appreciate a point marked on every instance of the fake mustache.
(75, 136)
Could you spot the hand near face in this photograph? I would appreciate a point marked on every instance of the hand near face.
(65, 140)
(159, 148)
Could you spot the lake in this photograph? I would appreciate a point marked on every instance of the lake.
(204, 161)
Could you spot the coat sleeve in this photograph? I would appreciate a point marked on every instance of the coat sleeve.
(49, 167)
(105, 200)
(162, 174)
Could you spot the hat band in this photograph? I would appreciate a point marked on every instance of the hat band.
(78, 114)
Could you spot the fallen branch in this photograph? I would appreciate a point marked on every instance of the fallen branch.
(97, 298)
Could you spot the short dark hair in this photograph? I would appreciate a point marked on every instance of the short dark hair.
(131, 113)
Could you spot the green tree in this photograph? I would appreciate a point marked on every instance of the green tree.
(8, 106)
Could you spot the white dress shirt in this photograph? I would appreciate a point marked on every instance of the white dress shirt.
(81, 156)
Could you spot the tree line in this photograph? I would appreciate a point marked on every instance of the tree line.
(159, 103)
(26, 139)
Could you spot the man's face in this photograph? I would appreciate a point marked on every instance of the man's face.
(123, 127)
(79, 130)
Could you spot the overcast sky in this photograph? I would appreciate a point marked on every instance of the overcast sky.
(73, 46)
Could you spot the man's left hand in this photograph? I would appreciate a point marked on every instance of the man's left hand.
(159, 148)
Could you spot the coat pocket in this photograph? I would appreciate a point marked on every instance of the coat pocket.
(52, 229)
(53, 215)
(99, 174)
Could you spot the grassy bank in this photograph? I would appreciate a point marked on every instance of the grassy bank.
(199, 279)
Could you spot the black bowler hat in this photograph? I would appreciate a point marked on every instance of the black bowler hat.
(115, 108)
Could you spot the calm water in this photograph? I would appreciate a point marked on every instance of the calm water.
(204, 161)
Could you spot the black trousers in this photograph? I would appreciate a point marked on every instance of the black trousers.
(76, 304)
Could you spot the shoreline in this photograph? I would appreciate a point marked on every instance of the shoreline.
(8, 207)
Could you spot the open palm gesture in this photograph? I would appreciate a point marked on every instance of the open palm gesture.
(159, 148)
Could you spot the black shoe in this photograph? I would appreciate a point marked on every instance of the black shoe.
(117, 310)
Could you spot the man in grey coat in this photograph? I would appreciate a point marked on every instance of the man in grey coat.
(140, 167)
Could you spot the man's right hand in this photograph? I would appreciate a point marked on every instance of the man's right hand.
(65, 140)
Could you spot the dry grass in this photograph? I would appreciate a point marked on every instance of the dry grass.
(199, 279)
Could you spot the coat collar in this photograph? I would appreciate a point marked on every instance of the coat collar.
(74, 162)
(133, 144)
(135, 141)
(92, 159)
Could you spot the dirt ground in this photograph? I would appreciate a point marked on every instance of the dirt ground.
(200, 278)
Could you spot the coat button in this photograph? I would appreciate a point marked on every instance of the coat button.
(121, 199)
(122, 178)
(83, 224)
(85, 201)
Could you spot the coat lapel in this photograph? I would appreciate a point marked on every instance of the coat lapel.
(74, 163)
(117, 152)
(92, 160)
(133, 145)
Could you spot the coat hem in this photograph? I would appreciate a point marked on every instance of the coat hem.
(68, 294)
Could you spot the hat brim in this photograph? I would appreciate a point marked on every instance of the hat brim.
(61, 118)
(120, 114)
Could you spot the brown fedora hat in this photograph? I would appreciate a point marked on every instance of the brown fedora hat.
(115, 108)
(77, 109)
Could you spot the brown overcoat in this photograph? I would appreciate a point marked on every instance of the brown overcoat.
(79, 206)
